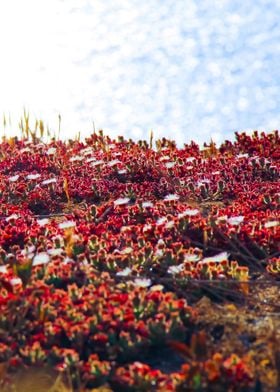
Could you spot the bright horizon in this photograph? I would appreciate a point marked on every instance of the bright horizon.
(199, 71)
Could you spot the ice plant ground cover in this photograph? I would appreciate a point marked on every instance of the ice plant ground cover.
(135, 266)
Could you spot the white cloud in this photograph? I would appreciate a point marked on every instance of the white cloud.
(130, 68)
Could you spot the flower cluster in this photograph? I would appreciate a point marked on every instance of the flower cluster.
(100, 239)
(217, 372)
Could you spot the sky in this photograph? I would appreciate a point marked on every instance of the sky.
(186, 69)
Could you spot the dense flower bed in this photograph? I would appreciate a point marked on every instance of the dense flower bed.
(101, 240)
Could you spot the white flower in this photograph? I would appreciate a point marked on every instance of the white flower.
(55, 251)
(117, 154)
(159, 252)
(15, 281)
(216, 172)
(169, 225)
(192, 257)
(43, 222)
(76, 158)
(157, 287)
(222, 218)
(142, 282)
(188, 212)
(41, 258)
(127, 250)
(67, 225)
(169, 165)
(217, 258)
(146, 228)
(14, 178)
(162, 220)
(26, 149)
(92, 159)
(89, 152)
(171, 197)
(49, 181)
(147, 204)
(51, 151)
(190, 159)
(33, 176)
(164, 158)
(114, 162)
(125, 228)
(13, 216)
(67, 260)
(189, 167)
(97, 163)
(202, 182)
(122, 171)
(175, 269)
(28, 251)
(269, 224)
(86, 151)
(160, 242)
(3, 269)
(122, 201)
(126, 272)
(239, 156)
(235, 220)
